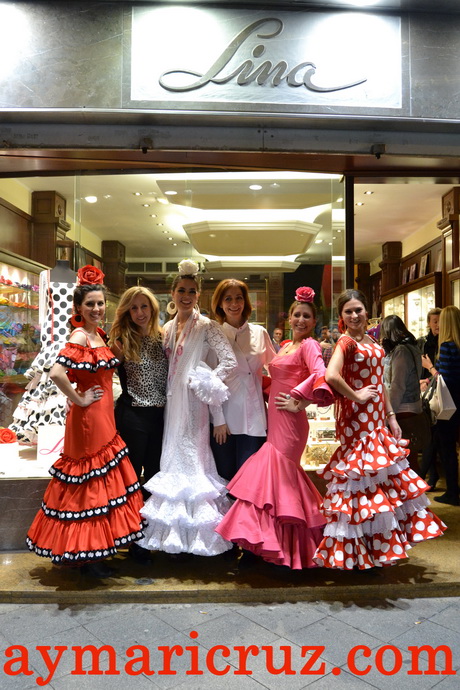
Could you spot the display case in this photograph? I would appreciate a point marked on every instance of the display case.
(413, 301)
(19, 328)
(321, 438)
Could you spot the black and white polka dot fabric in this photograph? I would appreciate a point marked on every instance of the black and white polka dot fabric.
(43, 403)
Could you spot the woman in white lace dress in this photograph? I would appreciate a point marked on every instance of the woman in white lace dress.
(188, 498)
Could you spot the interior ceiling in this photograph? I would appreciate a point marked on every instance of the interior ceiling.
(394, 211)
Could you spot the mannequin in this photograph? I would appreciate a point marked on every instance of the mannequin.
(62, 273)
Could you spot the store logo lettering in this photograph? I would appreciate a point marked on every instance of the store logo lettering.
(247, 72)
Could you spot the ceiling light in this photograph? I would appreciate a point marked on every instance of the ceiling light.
(170, 239)
(165, 232)
(174, 244)
(330, 244)
(359, 203)
(212, 234)
(91, 199)
(275, 185)
(255, 187)
(368, 192)
(163, 201)
(170, 192)
(160, 225)
(340, 199)
(153, 215)
(107, 196)
(137, 193)
(318, 241)
(146, 205)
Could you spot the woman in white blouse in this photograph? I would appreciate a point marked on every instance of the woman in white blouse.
(240, 424)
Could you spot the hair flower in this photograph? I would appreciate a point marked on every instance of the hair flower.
(304, 294)
(90, 275)
(187, 267)
(7, 436)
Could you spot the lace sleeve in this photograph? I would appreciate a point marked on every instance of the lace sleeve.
(219, 343)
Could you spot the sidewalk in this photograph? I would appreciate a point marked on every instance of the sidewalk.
(432, 570)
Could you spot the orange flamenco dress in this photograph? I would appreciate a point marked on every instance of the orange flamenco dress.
(91, 505)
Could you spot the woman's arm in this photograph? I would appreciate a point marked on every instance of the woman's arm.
(225, 355)
(58, 375)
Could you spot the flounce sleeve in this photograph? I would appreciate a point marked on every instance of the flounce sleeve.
(207, 383)
(79, 357)
(314, 387)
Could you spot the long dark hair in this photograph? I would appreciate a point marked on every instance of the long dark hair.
(393, 332)
(79, 295)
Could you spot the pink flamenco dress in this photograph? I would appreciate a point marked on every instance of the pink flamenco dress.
(91, 505)
(375, 504)
(276, 514)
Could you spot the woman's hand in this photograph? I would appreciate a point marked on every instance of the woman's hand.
(363, 395)
(90, 396)
(426, 361)
(221, 433)
(394, 427)
(283, 401)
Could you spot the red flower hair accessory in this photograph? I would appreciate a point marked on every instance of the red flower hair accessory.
(7, 436)
(90, 275)
(304, 294)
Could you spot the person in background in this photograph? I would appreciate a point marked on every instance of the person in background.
(92, 503)
(335, 334)
(188, 498)
(428, 345)
(278, 336)
(240, 425)
(326, 345)
(276, 512)
(375, 505)
(402, 367)
(446, 430)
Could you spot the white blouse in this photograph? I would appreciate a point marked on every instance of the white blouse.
(244, 411)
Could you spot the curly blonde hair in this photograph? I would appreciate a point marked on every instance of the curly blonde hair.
(123, 328)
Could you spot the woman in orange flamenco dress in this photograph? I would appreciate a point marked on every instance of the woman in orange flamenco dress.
(375, 504)
(91, 505)
(276, 514)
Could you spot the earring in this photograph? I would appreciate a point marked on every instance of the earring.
(341, 325)
(76, 320)
(171, 308)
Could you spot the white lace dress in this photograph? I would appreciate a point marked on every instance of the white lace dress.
(188, 498)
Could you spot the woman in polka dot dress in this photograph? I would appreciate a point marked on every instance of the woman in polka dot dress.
(375, 505)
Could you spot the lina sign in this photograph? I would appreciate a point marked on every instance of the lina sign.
(226, 58)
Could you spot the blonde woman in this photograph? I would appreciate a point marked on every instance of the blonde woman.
(446, 430)
(136, 339)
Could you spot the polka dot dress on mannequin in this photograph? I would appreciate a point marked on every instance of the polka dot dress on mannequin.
(375, 505)
(42, 402)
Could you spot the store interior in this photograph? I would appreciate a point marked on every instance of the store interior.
(274, 229)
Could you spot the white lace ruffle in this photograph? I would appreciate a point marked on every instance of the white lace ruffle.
(207, 386)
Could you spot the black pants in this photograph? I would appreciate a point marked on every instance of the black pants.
(446, 432)
(141, 428)
(429, 459)
(231, 455)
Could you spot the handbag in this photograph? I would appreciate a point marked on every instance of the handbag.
(441, 403)
(426, 400)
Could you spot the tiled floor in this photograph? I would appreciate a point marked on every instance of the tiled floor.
(237, 641)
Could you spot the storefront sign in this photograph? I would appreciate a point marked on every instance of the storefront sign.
(223, 57)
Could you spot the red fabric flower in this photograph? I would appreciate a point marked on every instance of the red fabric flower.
(304, 294)
(7, 436)
(90, 275)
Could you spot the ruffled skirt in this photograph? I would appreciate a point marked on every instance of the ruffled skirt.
(276, 513)
(182, 514)
(375, 505)
(90, 508)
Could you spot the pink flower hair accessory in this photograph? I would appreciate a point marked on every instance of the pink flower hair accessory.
(304, 294)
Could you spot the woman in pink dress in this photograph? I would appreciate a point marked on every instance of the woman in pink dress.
(375, 504)
(276, 513)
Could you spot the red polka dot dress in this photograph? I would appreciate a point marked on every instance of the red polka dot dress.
(375, 504)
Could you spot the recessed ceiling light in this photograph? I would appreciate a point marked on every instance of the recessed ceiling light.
(165, 232)
(153, 215)
(359, 203)
(339, 199)
(368, 192)
(330, 244)
(212, 234)
(174, 244)
(171, 192)
(255, 187)
(146, 205)
(170, 239)
(107, 196)
(274, 185)
(318, 241)
(163, 201)
(91, 199)
(137, 193)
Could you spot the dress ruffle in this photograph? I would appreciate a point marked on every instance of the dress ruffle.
(90, 508)
(375, 505)
(277, 511)
(182, 515)
(207, 386)
(79, 357)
